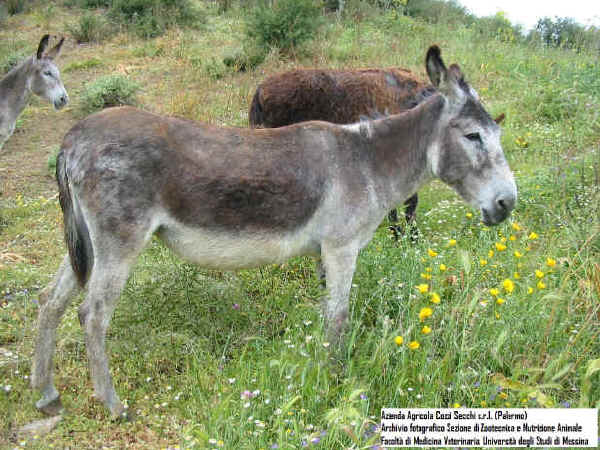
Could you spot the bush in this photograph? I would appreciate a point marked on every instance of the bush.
(147, 18)
(439, 11)
(15, 6)
(90, 28)
(244, 59)
(12, 60)
(285, 24)
(111, 90)
(151, 18)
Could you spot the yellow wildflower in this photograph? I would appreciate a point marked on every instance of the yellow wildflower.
(539, 273)
(500, 246)
(518, 254)
(483, 404)
(456, 405)
(550, 262)
(451, 242)
(398, 340)
(541, 285)
(426, 276)
(497, 316)
(422, 288)
(443, 267)
(503, 395)
(482, 262)
(515, 226)
(469, 215)
(428, 269)
(530, 290)
(431, 253)
(494, 292)
(516, 275)
(413, 345)
(490, 253)
(426, 330)
(425, 313)
(500, 300)
(508, 285)
(503, 240)
(512, 237)
(435, 298)
(533, 235)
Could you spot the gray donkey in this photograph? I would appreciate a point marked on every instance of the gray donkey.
(37, 74)
(232, 198)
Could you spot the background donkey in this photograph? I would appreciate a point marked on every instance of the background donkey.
(232, 198)
(37, 74)
(339, 96)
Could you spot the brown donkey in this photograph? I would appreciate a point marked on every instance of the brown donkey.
(232, 198)
(339, 96)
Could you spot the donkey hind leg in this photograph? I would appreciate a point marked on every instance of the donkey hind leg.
(60, 292)
(106, 282)
(339, 264)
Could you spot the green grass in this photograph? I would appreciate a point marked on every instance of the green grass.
(186, 344)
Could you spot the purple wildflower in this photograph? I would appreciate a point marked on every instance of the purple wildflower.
(236, 306)
(246, 395)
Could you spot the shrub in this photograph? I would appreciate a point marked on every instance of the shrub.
(151, 18)
(285, 24)
(90, 28)
(244, 59)
(12, 60)
(52, 159)
(15, 6)
(111, 90)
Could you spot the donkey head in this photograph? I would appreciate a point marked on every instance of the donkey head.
(45, 77)
(467, 154)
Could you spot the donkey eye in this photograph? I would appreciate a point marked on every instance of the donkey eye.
(48, 73)
(473, 137)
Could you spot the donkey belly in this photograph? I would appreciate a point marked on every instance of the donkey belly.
(231, 251)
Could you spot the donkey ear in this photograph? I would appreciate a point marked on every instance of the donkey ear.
(436, 69)
(56, 50)
(42, 46)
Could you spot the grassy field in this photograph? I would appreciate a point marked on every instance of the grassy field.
(213, 359)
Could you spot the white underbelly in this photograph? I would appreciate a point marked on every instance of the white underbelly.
(231, 251)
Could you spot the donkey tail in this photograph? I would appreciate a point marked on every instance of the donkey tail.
(77, 236)
(256, 115)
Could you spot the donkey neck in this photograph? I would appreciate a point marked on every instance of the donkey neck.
(401, 144)
(15, 89)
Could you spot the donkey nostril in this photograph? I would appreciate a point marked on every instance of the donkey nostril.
(502, 204)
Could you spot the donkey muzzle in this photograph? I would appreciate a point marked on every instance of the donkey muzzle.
(61, 101)
(500, 209)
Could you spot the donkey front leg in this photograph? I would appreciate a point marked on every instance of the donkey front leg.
(339, 264)
(104, 288)
(59, 294)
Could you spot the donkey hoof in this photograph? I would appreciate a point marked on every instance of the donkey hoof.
(396, 231)
(52, 408)
(124, 416)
